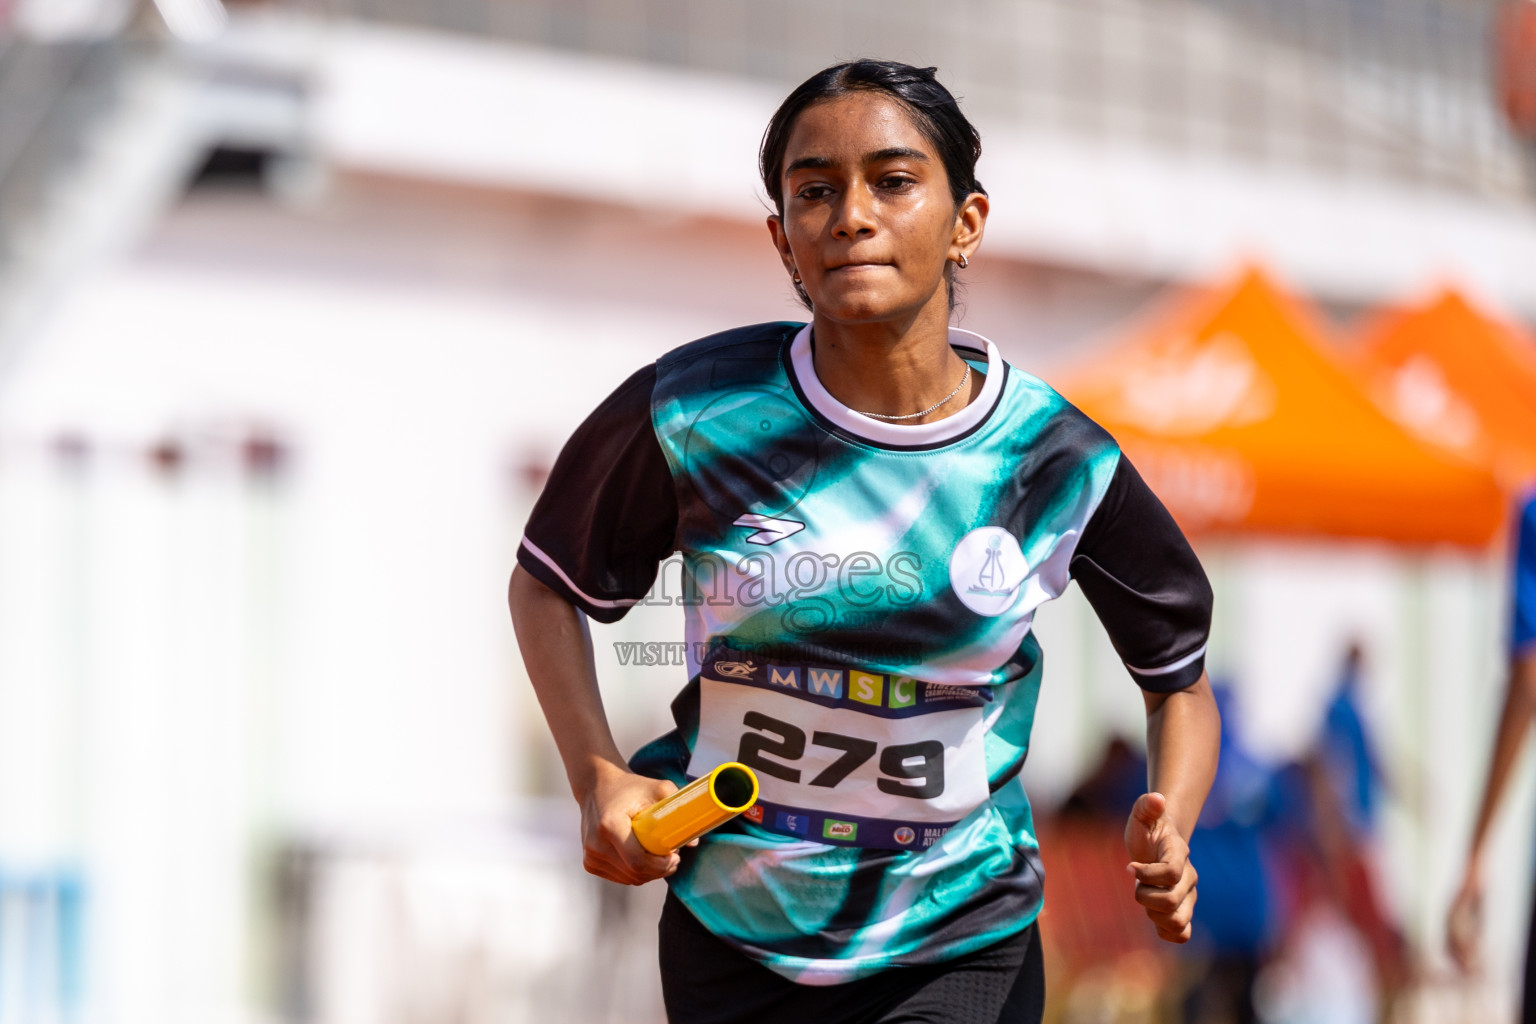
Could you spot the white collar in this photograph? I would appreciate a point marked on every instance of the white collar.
(901, 435)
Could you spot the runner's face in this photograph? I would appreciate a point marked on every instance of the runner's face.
(868, 221)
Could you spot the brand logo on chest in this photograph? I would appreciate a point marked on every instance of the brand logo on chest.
(767, 529)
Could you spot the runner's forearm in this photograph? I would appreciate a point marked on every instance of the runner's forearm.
(557, 650)
(1183, 746)
(1514, 722)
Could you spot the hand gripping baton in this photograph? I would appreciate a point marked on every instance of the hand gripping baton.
(705, 802)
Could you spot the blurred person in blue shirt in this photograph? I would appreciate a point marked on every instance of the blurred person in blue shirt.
(1348, 755)
(1347, 783)
(1464, 926)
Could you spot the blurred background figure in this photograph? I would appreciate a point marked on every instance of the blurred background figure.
(1350, 760)
(1351, 782)
(1343, 956)
(299, 297)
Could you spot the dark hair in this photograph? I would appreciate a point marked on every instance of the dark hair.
(933, 108)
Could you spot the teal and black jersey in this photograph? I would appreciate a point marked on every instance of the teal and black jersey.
(858, 599)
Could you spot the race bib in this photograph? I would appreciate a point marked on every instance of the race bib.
(845, 756)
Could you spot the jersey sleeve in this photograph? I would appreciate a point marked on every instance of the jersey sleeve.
(1523, 634)
(1145, 584)
(607, 517)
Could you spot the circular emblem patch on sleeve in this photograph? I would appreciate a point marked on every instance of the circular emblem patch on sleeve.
(987, 570)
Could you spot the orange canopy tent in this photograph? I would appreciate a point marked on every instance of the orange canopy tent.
(1458, 378)
(1239, 421)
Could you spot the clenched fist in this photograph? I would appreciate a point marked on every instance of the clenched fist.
(1165, 879)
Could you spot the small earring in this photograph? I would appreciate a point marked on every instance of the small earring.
(794, 275)
(963, 261)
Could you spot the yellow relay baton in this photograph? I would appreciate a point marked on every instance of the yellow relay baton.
(705, 802)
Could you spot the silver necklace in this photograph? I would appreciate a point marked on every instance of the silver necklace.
(931, 408)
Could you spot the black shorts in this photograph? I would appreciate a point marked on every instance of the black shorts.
(706, 981)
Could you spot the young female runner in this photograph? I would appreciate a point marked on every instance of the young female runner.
(870, 507)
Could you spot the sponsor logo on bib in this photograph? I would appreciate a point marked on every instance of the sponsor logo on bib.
(834, 829)
(905, 835)
(794, 824)
(987, 570)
